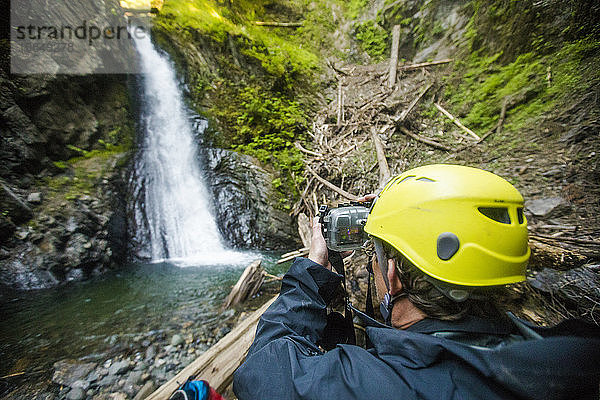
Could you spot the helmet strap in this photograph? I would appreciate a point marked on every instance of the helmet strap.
(453, 292)
(382, 260)
(387, 305)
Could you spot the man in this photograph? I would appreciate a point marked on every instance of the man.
(447, 240)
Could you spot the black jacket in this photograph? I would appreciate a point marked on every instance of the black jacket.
(284, 361)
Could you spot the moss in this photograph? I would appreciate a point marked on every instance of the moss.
(262, 124)
(372, 39)
(532, 85)
(280, 51)
(353, 8)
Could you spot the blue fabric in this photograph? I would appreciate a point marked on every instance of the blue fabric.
(196, 390)
(284, 362)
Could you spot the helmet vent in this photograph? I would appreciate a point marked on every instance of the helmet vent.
(498, 214)
(406, 178)
(423, 179)
(520, 215)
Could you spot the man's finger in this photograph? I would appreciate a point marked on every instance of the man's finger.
(367, 197)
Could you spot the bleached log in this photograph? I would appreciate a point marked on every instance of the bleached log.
(424, 140)
(412, 105)
(278, 24)
(331, 186)
(456, 121)
(247, 286)
(295, 252)
(425, 64)
(394, 56)
(310, 152)
(304, 229)
(340, 102)
(384, 169)
(502, 116)
(291, 257)
(217, 364)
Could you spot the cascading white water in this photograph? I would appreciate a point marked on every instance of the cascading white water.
(176, 205)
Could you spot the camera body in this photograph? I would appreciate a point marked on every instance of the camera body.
(343, 226)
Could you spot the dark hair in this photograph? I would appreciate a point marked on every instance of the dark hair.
(426, 297)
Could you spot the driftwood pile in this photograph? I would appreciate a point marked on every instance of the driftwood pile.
(373, 103)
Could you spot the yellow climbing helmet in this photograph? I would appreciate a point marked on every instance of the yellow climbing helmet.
(457, 224)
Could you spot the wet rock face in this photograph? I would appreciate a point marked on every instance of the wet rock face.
(49, 236)
(67, 240)
(244, 202)
(57, 225)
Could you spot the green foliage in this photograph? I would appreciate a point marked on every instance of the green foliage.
(355, 7)
(264, 125)
(60, 164)
(80, 175)
(280, 51)
(372, 39)
(532, 84)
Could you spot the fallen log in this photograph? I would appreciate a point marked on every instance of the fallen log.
(331, 186)
(291, 253)
(577, 287)
(309, 152)
(291, 256)
(424, 140)
(304, 230)
(217, 364)
(384, 169)
(247, 286)
(502, 116)
(394, 56)
(425, 64)
(278, 24)
(340, 102)
(456, 121)
(412, 105)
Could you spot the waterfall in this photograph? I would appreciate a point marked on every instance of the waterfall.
(172, 202)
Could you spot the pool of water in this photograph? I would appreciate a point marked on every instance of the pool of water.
(85, 320)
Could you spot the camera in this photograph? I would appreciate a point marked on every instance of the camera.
(343, 226)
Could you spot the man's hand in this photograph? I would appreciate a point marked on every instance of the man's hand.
(318, 247)
(366, 198)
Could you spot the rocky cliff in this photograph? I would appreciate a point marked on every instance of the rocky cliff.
(64, 147)
(243, 201)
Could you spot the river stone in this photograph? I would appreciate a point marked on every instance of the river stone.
(119, 368)
(544, 206)
(145, 391)
(150, 352)
(108, 380)
(159, 374)
(35, 198)
(68, 372)
(130, 389)
(176, 340)
(93, 376)
(134, 377)
(76, 393)
(82, 384)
